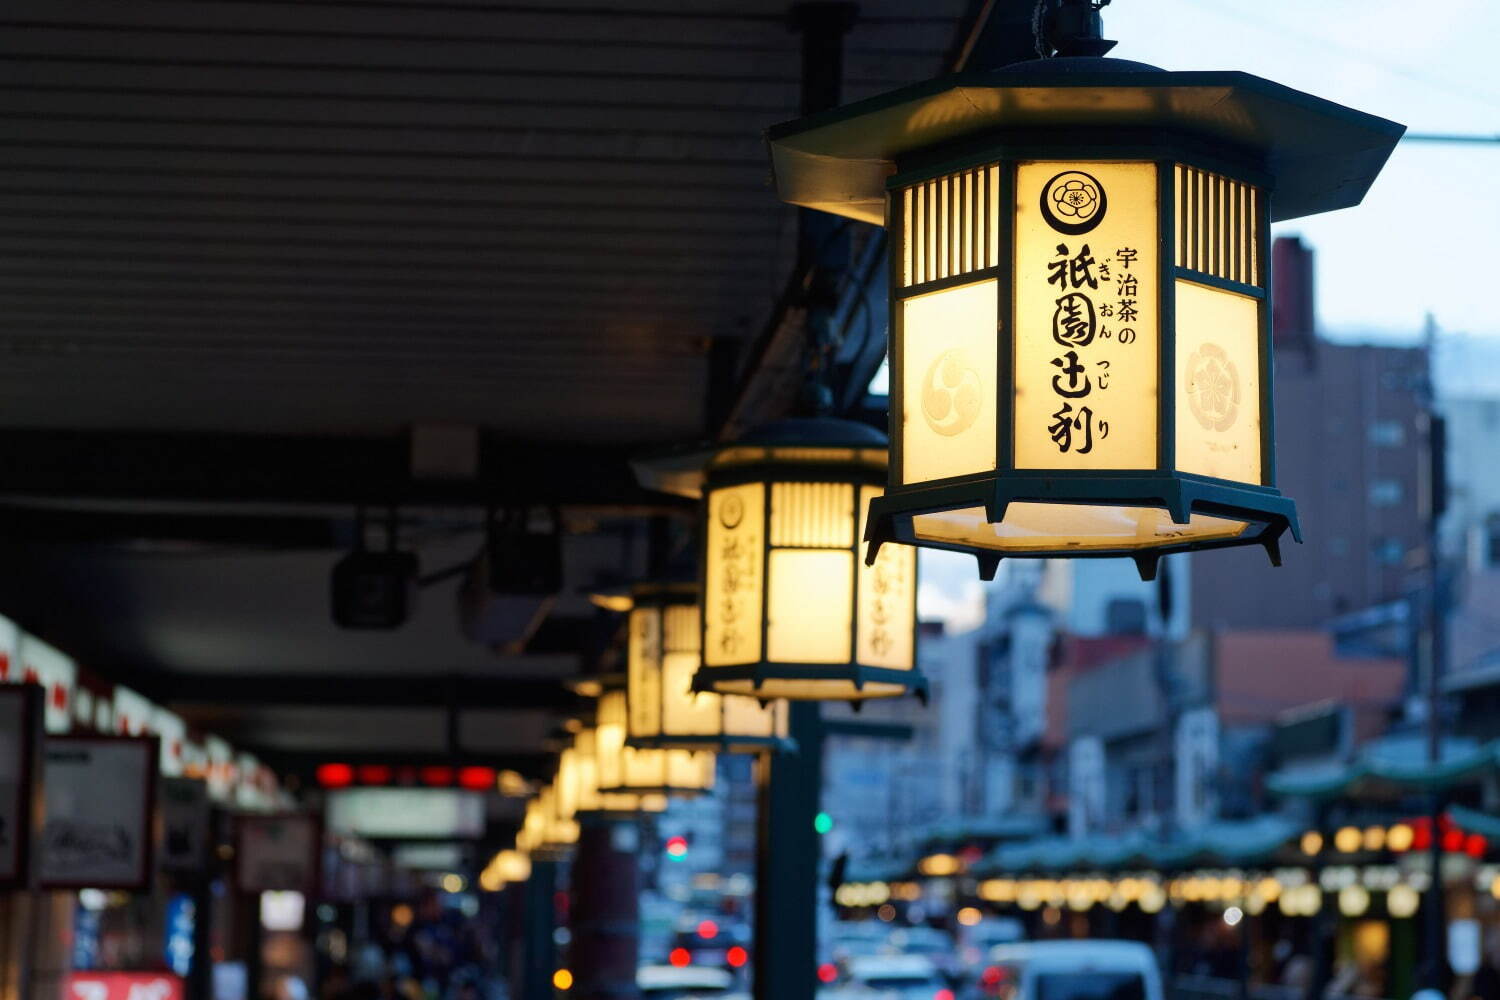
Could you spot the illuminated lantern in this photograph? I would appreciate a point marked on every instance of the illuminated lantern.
(664, 710)
(1080, 349)
(544, 827)
(789, 609)
(640, 770)
(578, 783)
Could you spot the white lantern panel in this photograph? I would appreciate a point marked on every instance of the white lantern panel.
(887, 601)
(1062, 527)
(1218, 383)
(1087, 316)
(686, 713)
(811, 605)
(746, 717)
(733, 575)
(949, 364)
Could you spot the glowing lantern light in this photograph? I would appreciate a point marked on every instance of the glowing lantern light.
(664, 710)
(1354, 900)
(624, 768)
(578, 775)
(789, 609)
(1347, 840)
(1080, 328)
(1402, 901)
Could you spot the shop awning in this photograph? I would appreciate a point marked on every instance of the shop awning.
(1229, 843)
(1391, 767)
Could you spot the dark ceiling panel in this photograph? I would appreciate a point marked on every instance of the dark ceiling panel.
(342, 217)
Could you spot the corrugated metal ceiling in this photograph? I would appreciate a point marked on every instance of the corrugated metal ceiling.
(339, 215)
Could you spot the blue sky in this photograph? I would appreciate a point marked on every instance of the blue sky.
(1425, 238)
(1425, 233)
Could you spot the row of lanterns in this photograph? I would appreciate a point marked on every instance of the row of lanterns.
(1080, 357)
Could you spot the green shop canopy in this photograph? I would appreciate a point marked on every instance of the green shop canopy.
(1228, 843)
(1474, 821)
(1390, 768)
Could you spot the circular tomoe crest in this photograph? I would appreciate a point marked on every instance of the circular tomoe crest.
(950, 395)
(1074, 202)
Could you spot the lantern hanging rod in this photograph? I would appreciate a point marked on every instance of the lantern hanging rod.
(1069, 28)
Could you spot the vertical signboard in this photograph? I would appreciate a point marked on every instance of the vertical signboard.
(98, 794)
(186, 815)
(278, 852)
(20, 710)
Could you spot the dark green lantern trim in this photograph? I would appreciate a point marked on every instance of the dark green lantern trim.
(1180, 495)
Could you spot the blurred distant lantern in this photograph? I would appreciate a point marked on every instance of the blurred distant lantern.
(640, 770)
(664, 710)
(544, 828)
(789, 611)
(578, 783)
(1080, 331)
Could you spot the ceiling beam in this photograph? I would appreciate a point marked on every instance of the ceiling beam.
(243, 689)
(218, 467)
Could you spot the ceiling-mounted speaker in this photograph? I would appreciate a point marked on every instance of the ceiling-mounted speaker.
(374, 590)
(513, 582)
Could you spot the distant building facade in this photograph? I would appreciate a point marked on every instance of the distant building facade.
(1351, 449)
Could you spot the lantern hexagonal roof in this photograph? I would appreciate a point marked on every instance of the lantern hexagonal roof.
(1322, 156)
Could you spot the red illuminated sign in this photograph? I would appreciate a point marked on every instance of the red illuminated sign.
(122, 986)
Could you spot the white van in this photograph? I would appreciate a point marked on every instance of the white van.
(1072, 970)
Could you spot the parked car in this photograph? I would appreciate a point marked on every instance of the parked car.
(935, 945)
(853, 939)
(668, 982)
(1072, 970)
(976, 941)
(891, 977)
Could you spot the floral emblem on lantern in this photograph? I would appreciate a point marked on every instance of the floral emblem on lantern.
(950, 395)
(1213, 388)
(1073, 202)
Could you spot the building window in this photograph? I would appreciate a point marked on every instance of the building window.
(1385, 492)
(1492, 539)
(1387, 433)
(1389, 551)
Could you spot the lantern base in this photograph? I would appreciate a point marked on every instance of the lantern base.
(1085, 516)
(811, 682)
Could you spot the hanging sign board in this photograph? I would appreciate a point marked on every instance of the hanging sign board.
(185, 818)
(98, 794)
(122, 986)
(55, 672)
(20, 712)
(278, 853)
